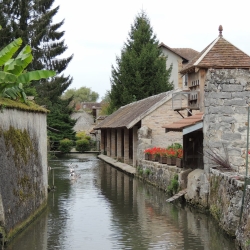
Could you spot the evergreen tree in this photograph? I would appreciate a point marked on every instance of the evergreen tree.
(141, 69)
(59, 121)
(32, 21)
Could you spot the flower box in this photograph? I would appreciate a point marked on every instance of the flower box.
(150, 157)
(146, 157)
(171, 161)
(179, 162)
(163, 160)
(155, 158)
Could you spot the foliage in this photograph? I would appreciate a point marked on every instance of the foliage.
(175, 146)
(13, 72)
(105, 105)
(140, 170)
(221, 161)
(82, 94)
(60, 120)
(140, 71)
(32, 21)
(148, 171)
(65, 145)
(82, 145)
(174, 185)
(80, 135)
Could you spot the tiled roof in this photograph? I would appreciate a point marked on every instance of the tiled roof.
(187, 53)
(219, 54)
(185, 122)
(127, 116)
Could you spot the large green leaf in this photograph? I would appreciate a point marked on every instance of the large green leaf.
(35, 75)
(6, 77)
(17, 65)
(7, 52)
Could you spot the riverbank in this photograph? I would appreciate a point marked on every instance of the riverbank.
(119, 165)
(220, 193)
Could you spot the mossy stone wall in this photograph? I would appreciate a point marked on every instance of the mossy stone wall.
(23, 167)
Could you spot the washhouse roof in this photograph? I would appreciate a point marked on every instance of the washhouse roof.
(184, 122)
(127, 116)
(219, 54)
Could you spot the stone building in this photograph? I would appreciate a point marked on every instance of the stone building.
(218, 82)
(137, 126)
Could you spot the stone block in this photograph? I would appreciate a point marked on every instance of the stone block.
(231, 136)
(241, 110)
(235, 102)
(221, 110)
(222, 95)
(232, 88)
(241, 94)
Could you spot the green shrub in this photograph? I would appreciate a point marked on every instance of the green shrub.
(140, 170)
(175, 146)
(147, 171)
(88, 137)
(174, 185)
(65, 145)
(80, 135)
(82, 145)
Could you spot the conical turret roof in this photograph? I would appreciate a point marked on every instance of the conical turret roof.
(219, 54)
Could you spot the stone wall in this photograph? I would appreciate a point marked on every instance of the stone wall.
(161, 116)
(227, 93)
(23, 168)
(243, 231)
(220, 193)
(161, 175)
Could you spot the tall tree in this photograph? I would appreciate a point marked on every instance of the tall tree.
(32, 21)
(59, 121)
(141, 69)
(82, 94)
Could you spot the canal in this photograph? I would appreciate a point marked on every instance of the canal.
(106, 209)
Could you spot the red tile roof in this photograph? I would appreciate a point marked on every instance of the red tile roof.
(184, 122)
(219, 54)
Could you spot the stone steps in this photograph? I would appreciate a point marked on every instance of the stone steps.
(177, 196)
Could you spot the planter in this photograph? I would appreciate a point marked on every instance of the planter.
(150, 157)
(179, 162)
(146, 157)
(155, 158)
(171, 161)
(163, 160)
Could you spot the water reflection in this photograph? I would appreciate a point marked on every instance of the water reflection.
(106, 209)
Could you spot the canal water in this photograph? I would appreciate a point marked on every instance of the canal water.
(106, 209)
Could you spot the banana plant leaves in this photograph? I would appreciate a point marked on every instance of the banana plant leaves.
(7, 52)
(12, 70)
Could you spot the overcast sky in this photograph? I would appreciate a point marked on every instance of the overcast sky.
(95, 31)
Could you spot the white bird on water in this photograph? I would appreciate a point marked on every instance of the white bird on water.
(73, 175)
